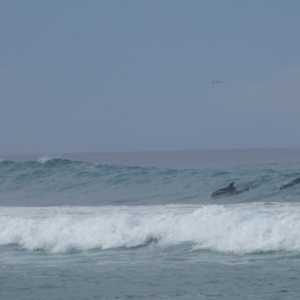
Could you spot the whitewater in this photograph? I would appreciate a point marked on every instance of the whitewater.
(143, 225)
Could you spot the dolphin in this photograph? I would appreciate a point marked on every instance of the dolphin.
(230, 190)
(291, 183)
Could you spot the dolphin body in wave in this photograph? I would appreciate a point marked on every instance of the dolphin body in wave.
(291, 183)
(230, 190)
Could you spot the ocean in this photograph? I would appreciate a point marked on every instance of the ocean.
(143, 225)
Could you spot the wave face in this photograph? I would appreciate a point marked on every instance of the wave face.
(66, 182)
(238, 229)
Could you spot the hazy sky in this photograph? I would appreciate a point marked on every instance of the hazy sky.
(93, 76)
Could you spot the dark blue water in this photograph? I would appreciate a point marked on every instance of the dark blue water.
(143, 226)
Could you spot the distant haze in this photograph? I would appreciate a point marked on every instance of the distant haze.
(109, 76)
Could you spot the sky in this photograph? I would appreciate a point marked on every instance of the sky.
(136, 75)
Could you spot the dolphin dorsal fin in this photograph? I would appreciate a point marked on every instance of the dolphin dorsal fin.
(231, 185)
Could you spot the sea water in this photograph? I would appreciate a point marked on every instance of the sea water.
(143, 226)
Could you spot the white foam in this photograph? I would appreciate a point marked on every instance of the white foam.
(44, 159)
(235, 229)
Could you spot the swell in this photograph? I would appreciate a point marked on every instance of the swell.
(66, 182)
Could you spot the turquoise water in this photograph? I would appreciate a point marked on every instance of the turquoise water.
(143, 226)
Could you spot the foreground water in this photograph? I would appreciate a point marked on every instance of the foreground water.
(143, 226)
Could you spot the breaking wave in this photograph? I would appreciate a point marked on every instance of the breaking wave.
(238, 229)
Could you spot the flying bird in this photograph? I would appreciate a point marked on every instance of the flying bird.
(216, 82)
